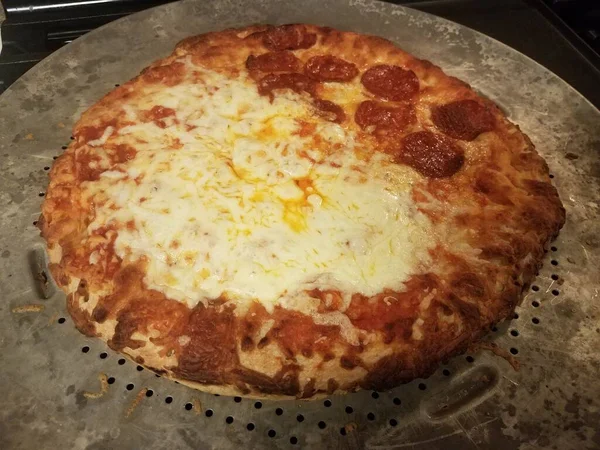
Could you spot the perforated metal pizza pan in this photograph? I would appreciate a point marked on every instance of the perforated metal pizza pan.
(474, 401)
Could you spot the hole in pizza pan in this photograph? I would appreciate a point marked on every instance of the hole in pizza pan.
(149, 393)
(130, 387)
(293, 440)
(397, 401)
(371, 416)
(514, 333)
(554, 277)
(422, 386)
(41, 194)
(535, 320)
(250, 426)
(229, 420)
(188, 406)
(514, 351)
(85, 349)
(110, 380)
(446, 372)
(375, 395)
(343, 431)
(237, 399)
(322, 425)
(393, 422)
(551, 175)
(139, 368)
(279, 411)
(470, 359)
(34, 223)
(535, 304)
(72, 138)
(535, 288)
(208, 412)
(327, 403)
(61, 320)
(217, 395)
(157, 375)
(554, 262)
(349, 409)
(46, 167)
(272, 433)
(64, 147)
(117, 85)
(121, 361)
(554, 248)
(515, 315)
(103, 355)
(258, 405)
(494, 328)
(300, 418)
(555, 292)
(168, 399)
(55, 157)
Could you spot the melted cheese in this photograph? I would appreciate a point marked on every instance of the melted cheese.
(230, 199)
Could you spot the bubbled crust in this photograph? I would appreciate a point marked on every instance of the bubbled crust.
(498, 211)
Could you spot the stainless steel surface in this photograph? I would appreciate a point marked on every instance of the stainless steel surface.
(553, 401)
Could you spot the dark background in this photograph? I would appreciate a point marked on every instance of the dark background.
(562, 35)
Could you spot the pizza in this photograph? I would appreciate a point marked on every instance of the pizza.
(293, 211)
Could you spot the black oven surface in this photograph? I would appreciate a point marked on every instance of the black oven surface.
(562, 35)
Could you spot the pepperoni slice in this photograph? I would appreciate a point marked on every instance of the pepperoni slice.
(294, 81)
(330, 68)
(288, 37)
(463, 119)
(432, 155)
(370, 113)
(391, 82)
(273, 62)
(330, 111)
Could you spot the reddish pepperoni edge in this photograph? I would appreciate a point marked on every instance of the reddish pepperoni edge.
(330, 111)
(294, 81)
(391, 82)
(273, 62)
(288, 37)
(330, 68)
(370, 113)
(463, 119)
(432, 155)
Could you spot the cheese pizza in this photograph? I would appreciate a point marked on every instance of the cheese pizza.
(293, 211)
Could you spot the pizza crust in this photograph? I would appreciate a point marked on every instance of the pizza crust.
(497, 213)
